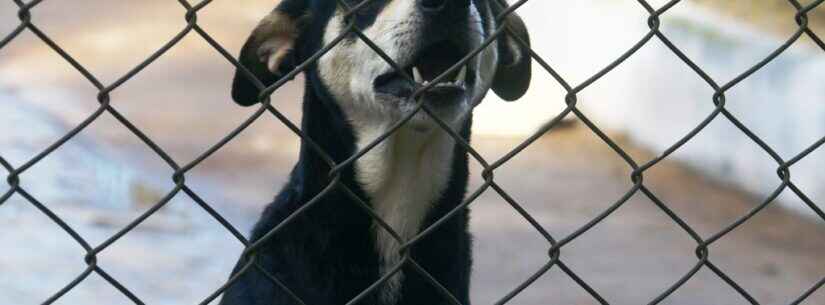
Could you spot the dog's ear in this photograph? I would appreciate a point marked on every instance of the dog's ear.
(269, 51)
(512, 76)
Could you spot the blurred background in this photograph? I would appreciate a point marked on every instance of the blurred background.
(105, 176)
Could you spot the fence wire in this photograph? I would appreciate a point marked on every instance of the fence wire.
(555, 245)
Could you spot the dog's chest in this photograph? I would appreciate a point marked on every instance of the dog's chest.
(403, 176)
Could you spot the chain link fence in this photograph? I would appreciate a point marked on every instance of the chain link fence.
(555, 244)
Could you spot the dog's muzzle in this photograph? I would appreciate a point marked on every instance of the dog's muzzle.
(427, 65)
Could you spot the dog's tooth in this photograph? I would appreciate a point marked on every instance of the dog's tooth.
(461, 74)
(417, 75)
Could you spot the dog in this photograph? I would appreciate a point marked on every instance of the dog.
(334, 250)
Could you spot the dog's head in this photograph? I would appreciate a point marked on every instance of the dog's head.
(424, 37)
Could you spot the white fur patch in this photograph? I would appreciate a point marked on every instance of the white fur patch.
(404, 176)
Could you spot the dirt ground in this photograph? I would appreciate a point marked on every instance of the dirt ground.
(564, 180)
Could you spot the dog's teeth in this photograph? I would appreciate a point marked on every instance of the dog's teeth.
(417, 75)
(461, 74)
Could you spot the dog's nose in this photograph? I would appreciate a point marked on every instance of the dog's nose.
(432, 6)
(444, 8)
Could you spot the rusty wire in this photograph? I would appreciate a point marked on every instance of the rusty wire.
(554, 256)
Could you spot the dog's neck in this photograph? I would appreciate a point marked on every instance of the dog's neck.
(421, 159)
(402, 178)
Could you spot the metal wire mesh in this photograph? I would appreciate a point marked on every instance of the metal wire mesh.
(554, 245)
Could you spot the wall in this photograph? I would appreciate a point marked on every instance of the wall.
(656, 99)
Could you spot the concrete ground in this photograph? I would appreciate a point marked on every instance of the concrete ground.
(564, 180)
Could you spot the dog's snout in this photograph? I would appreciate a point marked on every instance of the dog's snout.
(442, 7)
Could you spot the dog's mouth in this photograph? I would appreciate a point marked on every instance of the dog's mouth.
(427, 65)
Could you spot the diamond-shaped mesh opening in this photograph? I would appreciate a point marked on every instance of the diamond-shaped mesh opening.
(708, 266)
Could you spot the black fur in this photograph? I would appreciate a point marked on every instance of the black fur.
(327, 255)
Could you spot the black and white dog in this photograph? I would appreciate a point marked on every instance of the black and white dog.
(335, 250)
